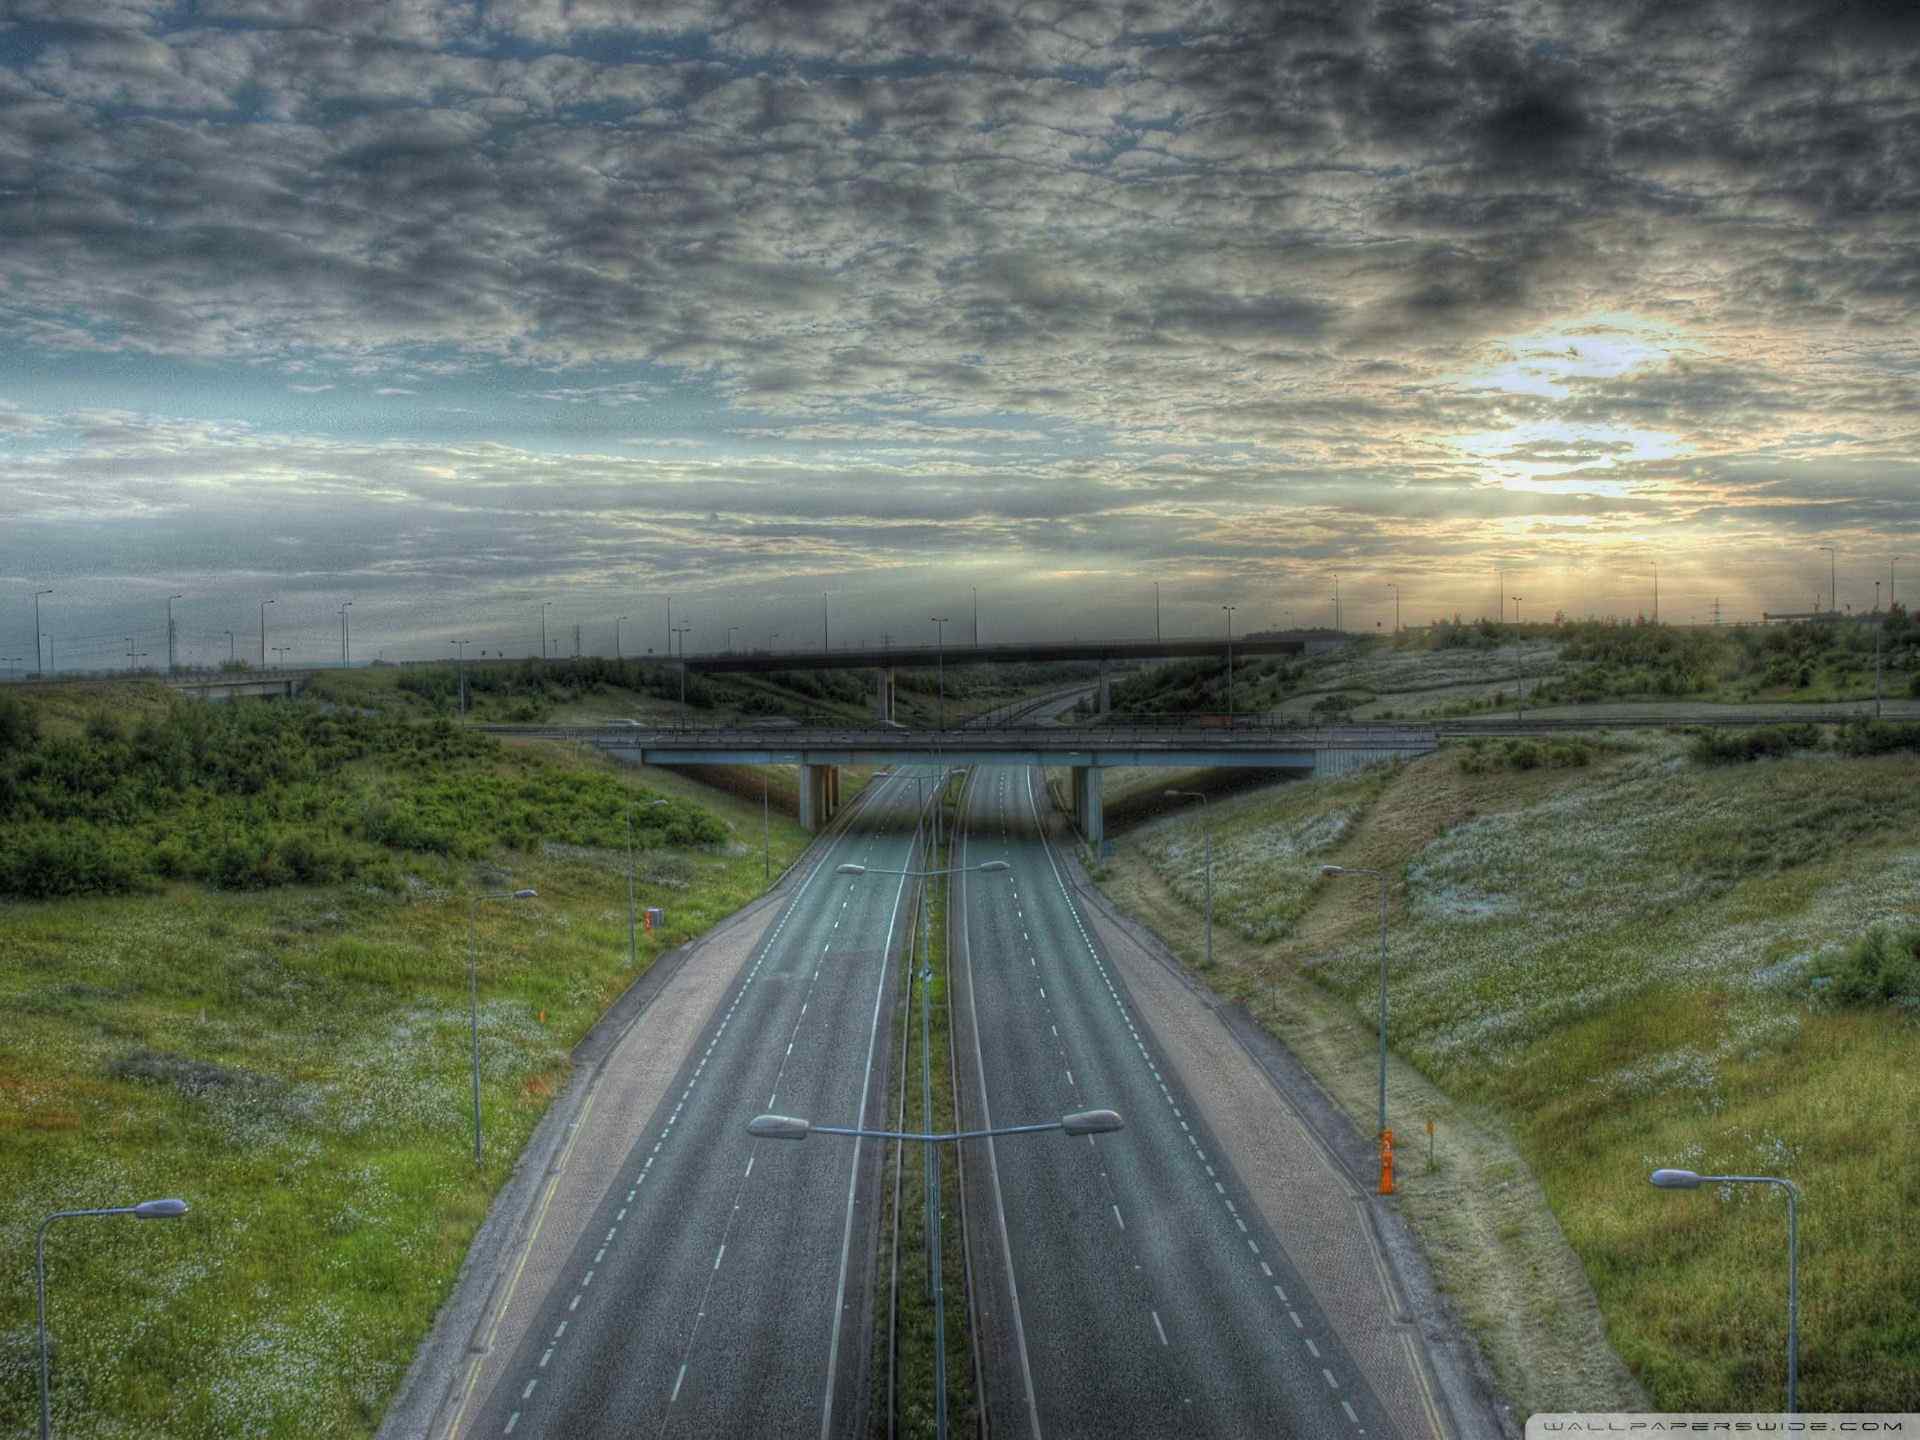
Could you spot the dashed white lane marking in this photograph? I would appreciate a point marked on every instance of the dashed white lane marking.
(1116, 1216)
(1313, 1349)
(1159, 1327)
(767, 948)
(1331, 1382)
(1349, 1409)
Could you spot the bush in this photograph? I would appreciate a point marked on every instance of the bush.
(1880, 737)
(1723, 747)
(1882, 967)
(1482, 757)
(20, 727)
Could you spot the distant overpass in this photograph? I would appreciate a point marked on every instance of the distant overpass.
(819, 751)
(1034, 652)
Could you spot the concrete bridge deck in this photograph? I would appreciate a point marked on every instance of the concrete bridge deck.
(819, 751)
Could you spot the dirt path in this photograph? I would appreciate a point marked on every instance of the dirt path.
(1480, 1215)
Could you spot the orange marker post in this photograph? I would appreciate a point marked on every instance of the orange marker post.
(1386, 1162)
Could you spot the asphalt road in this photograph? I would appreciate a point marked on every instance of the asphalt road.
(1124, 1283)
(723, 1288)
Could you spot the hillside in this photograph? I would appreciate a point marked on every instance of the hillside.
(594, 689)
(1646, 954)
(233, 958)
(1451, 669)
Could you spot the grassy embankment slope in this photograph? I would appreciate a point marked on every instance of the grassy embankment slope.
(594, 689)
(1595, 971)
(1452, 669)
(256, 999)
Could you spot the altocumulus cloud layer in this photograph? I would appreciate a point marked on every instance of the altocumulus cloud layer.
(460, 304)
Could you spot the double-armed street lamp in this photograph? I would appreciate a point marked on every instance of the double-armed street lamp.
(1688, 1180)
(932, 1181)
(145, 1210)
(473, 998)
(1196, 795)
(1381, 876)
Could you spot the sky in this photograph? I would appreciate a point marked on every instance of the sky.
(477, 313)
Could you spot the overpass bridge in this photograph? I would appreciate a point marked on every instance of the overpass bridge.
(820, 751)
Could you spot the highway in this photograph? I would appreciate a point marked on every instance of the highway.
(721, 1286)
(1125, 1285)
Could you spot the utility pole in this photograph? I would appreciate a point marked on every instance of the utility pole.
(172, 652)
(346, 635)
(543, 627)
(37, 671)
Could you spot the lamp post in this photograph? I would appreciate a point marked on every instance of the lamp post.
(1229, 609)
(346, 636)
(263, 632)
(38, 673)
(616, 636)
(1381, 876)
(1156, 612)
(1396, 606)
(473, 998)
(1892, 560)
(544, 606)
(1208, 830)
(172, 651)
(1516, 609)
(1687, 1180)
(976, 615)
(633, 939)
(682, 633)
(145, 1210)
(940, 639)
(932, 1183)
(730, 630)
(230, 659)
(1833, 577)
(460, 650)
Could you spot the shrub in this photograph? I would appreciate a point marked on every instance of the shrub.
(20, 727)
(1880, 737)
(1882, 967)
(1722, 747)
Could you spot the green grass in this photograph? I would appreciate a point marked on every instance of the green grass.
(293, 1061)
(1618, 962)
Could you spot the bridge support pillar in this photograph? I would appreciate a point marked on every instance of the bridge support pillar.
(819, 795)
(1088, 813)
(883, 695)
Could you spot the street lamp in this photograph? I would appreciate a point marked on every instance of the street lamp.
(38, 673)
(460, 650)
(170, 645)
(1516, 609)
(263, 632)
(1381, 876)
(230, 659)
(1156, 612)
(1833, 581)
(145, 1210)
(682, 633)
(792, 1127)
(730, 630)
(473, 998)
(1687, 1180)
(346, 636)
(1229, 609)
(1396, 606)
(544, 606)
(940, 639)
(1196, 795)
(616, 635)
